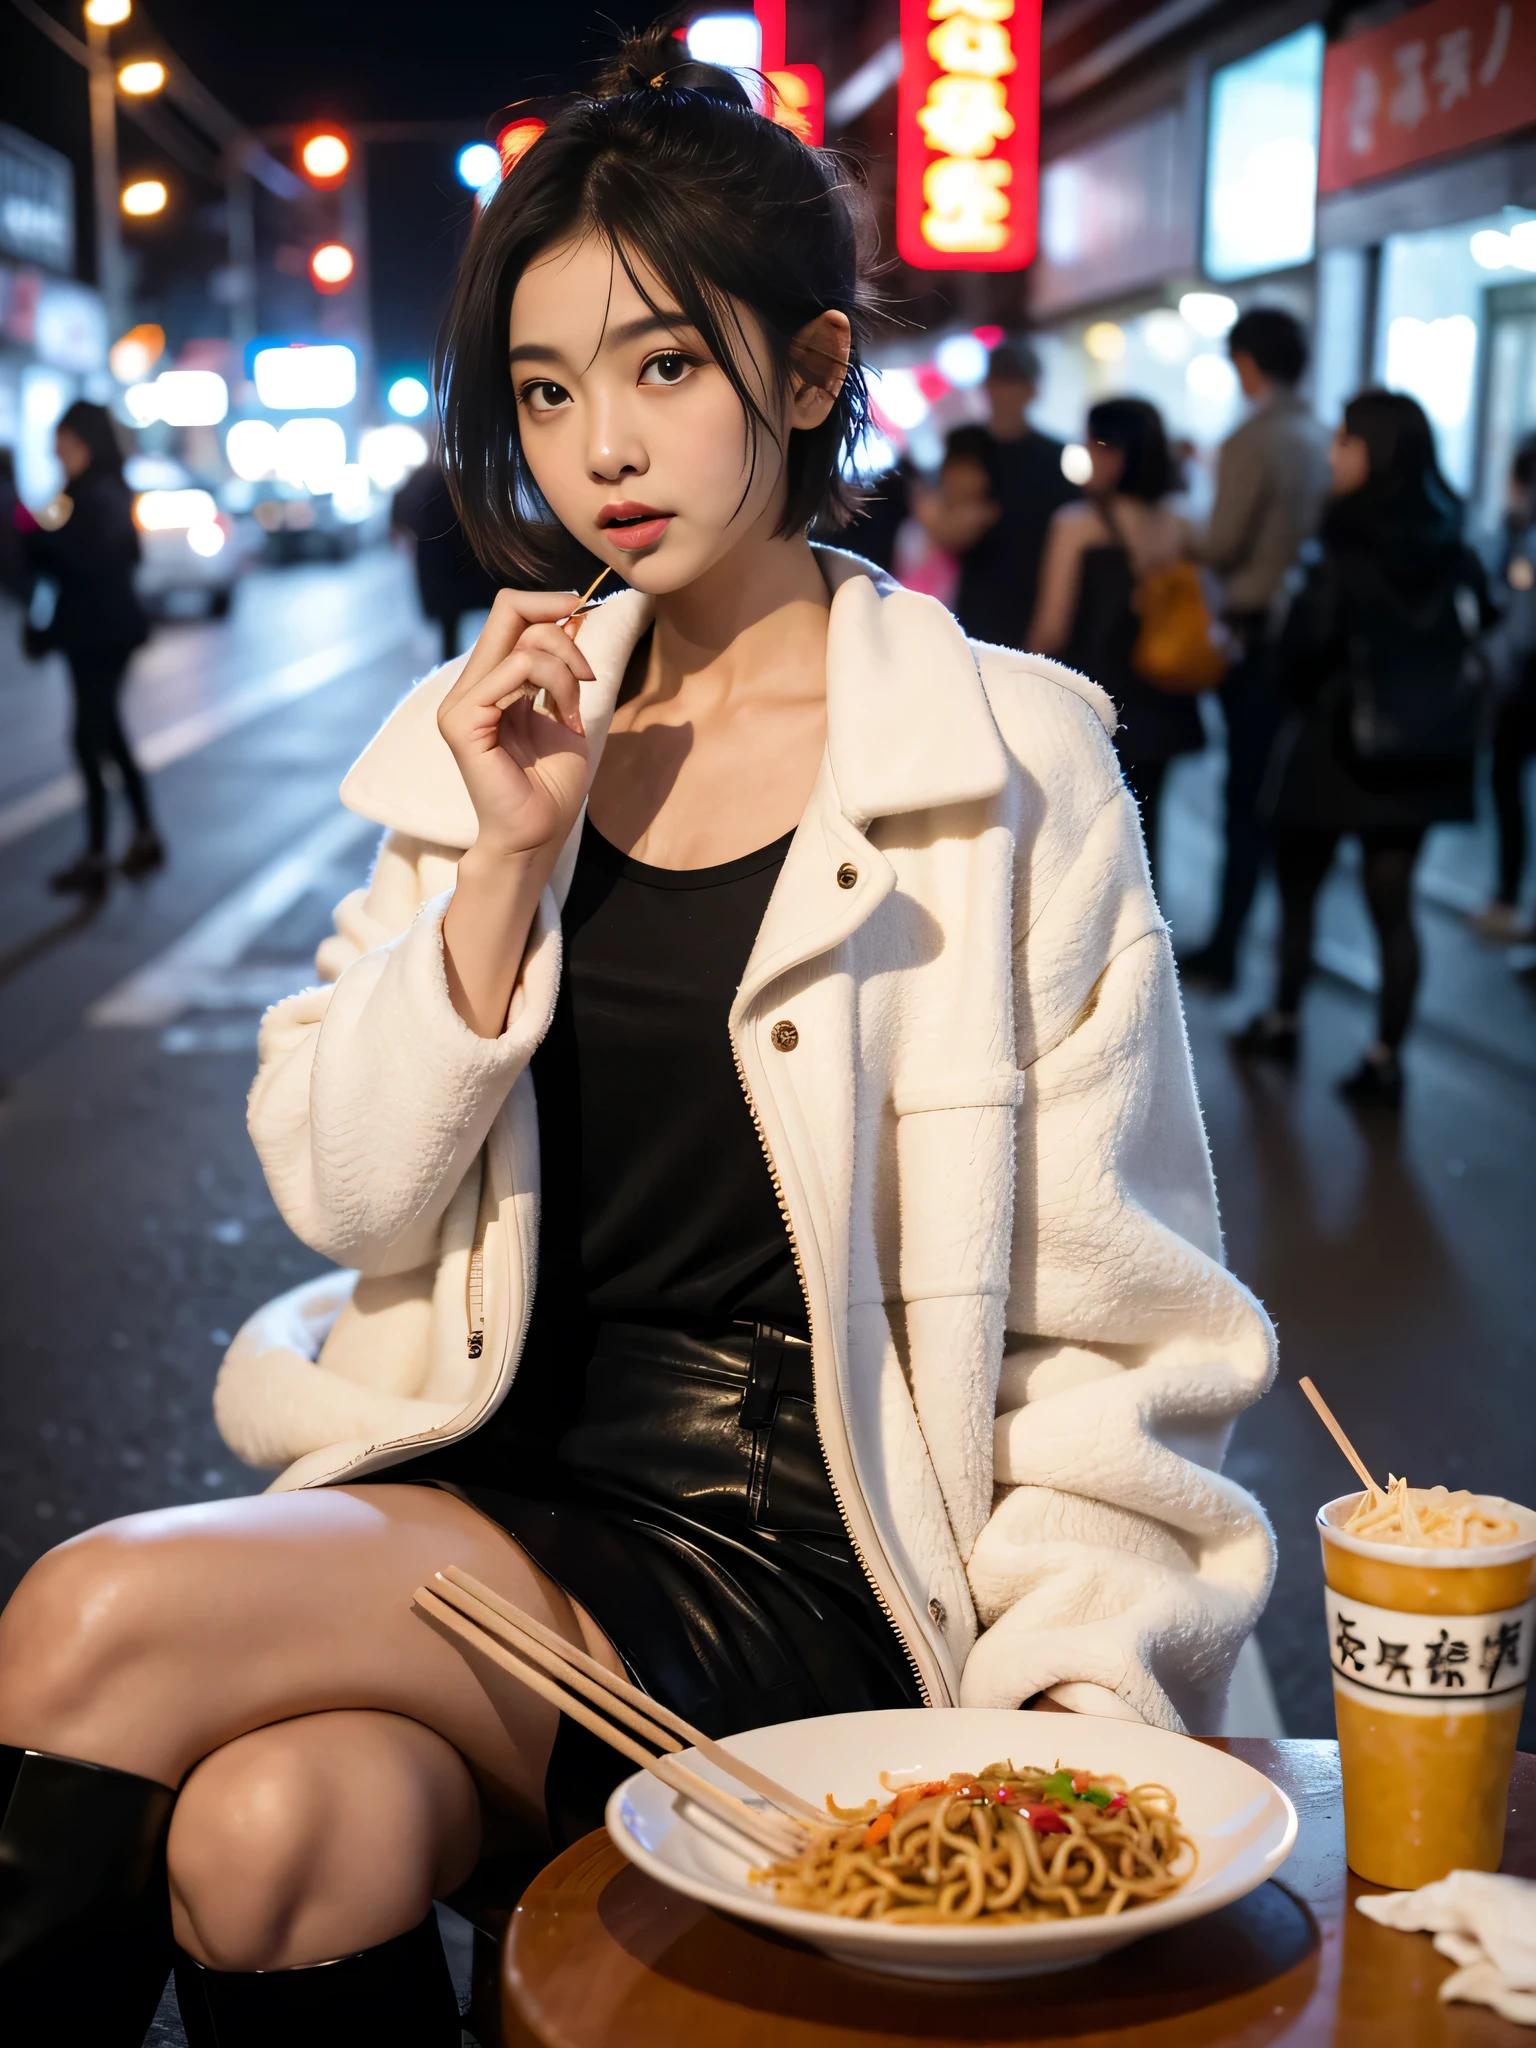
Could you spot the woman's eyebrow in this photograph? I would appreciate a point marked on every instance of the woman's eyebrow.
(626, 331)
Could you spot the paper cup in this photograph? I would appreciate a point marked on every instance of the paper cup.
(1431, 1650)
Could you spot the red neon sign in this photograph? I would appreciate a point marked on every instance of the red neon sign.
(515, 141)
(770, 27)
(799, 101)
(968, 134)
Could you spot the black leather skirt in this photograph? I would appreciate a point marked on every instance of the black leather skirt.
(687, 1508)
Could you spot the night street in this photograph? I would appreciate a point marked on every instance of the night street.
(136, 1232)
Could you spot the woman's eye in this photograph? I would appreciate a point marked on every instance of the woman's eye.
(670, 368)
(545, 396)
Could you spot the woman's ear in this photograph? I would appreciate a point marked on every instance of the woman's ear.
(818, 365)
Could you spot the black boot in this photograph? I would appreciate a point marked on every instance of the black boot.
(85, 1918)
(398, 1995)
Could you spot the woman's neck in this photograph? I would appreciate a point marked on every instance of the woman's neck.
(759, 611)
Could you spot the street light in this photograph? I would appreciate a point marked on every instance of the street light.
(479, 165)
(331, 266)
(325, 157)
(144, 75)
(144, 197)
(107, 13)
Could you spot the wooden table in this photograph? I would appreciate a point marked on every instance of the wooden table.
(599, 1956)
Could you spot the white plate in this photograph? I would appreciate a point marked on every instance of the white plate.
(1244, 1828)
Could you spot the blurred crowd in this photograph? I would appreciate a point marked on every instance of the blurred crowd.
(1361, 654)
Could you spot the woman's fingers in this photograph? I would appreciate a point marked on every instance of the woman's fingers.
(532, 670)
(513, 612)
(532, 665)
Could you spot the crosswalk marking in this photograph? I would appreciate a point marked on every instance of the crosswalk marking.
(200, 971)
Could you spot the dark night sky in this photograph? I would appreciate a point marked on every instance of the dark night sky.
(297, 60)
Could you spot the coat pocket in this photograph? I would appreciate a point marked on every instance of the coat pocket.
(955, 1165)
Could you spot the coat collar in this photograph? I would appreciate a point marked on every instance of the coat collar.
(908, 723)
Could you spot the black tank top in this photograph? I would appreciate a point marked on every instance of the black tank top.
(657, 1206)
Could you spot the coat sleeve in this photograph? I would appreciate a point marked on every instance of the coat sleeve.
(1118, 1570)
(372, 1096)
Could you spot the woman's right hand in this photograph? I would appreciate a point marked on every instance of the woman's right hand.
(526, 770)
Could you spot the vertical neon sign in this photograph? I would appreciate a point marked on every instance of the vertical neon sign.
(968, 134)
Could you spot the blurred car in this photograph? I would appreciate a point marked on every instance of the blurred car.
(193, 553)
(301, 526)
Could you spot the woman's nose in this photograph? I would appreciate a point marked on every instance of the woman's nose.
(614, 446)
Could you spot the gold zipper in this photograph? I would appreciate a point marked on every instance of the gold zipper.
(474, 1272)
(794, 1252)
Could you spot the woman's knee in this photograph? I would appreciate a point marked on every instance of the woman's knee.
(79, 1619)
(318, 1837)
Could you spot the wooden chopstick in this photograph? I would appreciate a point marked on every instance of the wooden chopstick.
(723, 1759)
(773, 1833)
(557, 1664)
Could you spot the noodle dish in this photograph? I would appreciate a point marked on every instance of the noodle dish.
(928, 1866)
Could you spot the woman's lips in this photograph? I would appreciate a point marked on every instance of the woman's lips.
(642, 533)
(631, 524)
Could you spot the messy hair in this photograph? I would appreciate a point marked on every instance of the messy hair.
(671, 166)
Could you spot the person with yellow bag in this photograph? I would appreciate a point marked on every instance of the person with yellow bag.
(1121, 600)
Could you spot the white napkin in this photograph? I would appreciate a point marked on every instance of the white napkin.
(1485, 1923)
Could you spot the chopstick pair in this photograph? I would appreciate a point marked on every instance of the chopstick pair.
(579, 1686)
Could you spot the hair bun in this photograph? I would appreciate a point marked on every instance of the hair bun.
(658, 61)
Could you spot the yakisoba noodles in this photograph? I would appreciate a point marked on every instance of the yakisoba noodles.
(1427, 1517)
(1002, 1847)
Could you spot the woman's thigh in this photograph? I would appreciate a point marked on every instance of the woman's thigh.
(150, 1642)
(318, 1837)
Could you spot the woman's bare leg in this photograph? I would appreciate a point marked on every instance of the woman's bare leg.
(153, 1641)
(316, 1838)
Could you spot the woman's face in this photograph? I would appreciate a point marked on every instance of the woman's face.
(634, 434)
(72, 452)
(1350, 461)
(1108, 467)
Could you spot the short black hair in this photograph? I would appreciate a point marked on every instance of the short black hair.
(1275, 339)
(1135, 427)
(92, 424)
(671, 165)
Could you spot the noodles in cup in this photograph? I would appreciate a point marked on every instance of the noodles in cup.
(999, 1848)
(1427, 1518)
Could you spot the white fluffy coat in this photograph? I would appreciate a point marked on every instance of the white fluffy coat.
(1028, 1353)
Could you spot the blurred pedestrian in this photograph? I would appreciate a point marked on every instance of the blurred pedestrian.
(1096, 554)
(997, 489)
(1271, 481)
(13, 553)
(1514, 726)
(450, 580)
(86, 544)
(1378, 658)
(885, 504)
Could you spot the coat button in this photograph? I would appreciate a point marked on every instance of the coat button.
(847, 875)
(936, 1612)
(784, 1037)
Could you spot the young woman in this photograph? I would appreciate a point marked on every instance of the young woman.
(1374, 657)
(88, 546)
(752, 1095)
(1094, 554)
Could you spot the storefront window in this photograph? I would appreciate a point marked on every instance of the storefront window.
(1440, 292)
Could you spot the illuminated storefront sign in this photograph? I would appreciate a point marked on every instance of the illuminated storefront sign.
(515, 141)
(799, 101)
(968, 134)
(1437, 79)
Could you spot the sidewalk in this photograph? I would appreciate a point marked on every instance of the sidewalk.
(1478, 997)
